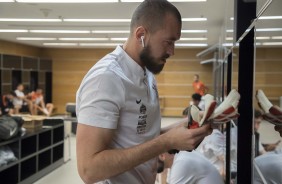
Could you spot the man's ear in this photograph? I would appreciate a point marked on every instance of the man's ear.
(140, 34)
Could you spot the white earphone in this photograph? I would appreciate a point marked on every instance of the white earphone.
(142, 40)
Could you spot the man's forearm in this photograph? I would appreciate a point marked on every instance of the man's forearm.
(109, 163)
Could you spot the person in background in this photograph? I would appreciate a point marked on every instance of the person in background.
(21, 100)
(268, 169)
(117, 104)
(199, 87)
(6, 102)
(196, 98)
(261, 148)
(39, 104)
(189, 167)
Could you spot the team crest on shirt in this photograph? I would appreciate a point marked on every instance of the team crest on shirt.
(142, 120)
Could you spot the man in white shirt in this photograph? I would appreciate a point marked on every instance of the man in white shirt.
(21, 99)
(118, 134)
(189, 167)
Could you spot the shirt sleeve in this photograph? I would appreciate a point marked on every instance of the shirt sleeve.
(99, 100)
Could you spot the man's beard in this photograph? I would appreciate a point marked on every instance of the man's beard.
(150, 62)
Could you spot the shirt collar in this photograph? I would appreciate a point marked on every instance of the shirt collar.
(131, 68)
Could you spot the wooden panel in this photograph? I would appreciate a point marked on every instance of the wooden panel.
(268, 78)
(180, 102)
(72, 65)
(183, 77)
(192, 66)
(172, 112)
(19, 49)
(174, 83)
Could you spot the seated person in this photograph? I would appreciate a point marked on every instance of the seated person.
(39, 104)
(189, 167)
(21, 100)
(6, 102)
(261, 148)
(213, 149)
(269, 168)
(196, 98)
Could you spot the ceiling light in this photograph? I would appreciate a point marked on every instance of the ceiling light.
(185, 39)
(96, 20)
(99, 44)
(191, 45)
(193, 19)
(29, 20)
(118, 39)
(110, 31)
(58, 31)
(258, 38)
(131, 1)
(276, 37)
(268, 29)
(194, 31)
(13, 30)
(84, 39)
(272, 43)
(67, 1)
(34, 38)
(262, 38)
(187, 0)
(270, 17)
(60, 44)
(265, 17)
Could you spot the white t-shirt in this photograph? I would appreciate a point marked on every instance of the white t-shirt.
(193, 168)
(270, 165)
(18, 101)
(213, 148)
(118, 94)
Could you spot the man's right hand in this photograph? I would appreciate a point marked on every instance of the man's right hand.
(181, 138)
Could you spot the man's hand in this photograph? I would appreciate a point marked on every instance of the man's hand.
(278, 128)
(181, 138)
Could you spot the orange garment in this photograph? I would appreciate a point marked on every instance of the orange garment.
(36, 97)
(199, 87)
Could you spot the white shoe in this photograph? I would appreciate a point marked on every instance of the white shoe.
(195, 113)
(228, 106)
(272, 113)
(46, 111)
(210, 105)
(263, 101)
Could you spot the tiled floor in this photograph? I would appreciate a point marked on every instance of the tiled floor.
(67, 174)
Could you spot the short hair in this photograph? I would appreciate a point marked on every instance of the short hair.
(151, 14)
(196, 96)
(258, 113)
(197, 75)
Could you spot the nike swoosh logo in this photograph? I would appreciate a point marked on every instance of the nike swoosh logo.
(13, 131)
(138, 101)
